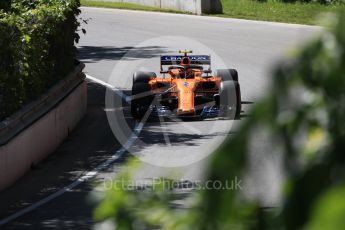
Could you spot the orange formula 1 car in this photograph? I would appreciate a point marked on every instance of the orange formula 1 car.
(186, 89)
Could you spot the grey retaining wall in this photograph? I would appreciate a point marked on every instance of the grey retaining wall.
(38, 129)
(192, 6)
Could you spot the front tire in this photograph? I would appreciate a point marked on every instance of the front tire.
(141, 102)
(227, 74)
(230, 99)
(143, 77)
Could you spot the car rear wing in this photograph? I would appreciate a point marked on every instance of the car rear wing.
(195, 60)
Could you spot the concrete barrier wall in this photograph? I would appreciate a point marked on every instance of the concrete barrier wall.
(155, 3)
(42, 137)
(192, 6)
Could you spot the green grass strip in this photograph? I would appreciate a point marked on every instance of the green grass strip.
(300, 13)
(272, 10)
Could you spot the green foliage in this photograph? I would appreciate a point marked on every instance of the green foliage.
(5, 5)
(333, 202)
(304, 111)
(137, 210)
(37, 49)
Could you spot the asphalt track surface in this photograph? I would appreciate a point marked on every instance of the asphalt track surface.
(131, 40)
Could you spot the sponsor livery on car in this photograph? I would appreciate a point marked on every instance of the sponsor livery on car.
(195, 60)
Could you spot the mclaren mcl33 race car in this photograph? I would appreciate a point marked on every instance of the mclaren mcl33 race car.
(186, 89)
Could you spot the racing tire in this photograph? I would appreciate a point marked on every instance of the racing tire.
(227, 74)
(143, 77)
(140, 105)
(230, 99)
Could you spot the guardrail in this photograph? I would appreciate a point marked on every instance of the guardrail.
(14, 124)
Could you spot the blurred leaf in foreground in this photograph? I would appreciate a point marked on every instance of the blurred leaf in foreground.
(304, 111)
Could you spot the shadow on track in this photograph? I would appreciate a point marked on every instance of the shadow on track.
(90, 144)
(91, 54)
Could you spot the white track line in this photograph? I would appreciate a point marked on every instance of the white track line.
(87, 175)
(107, 85)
